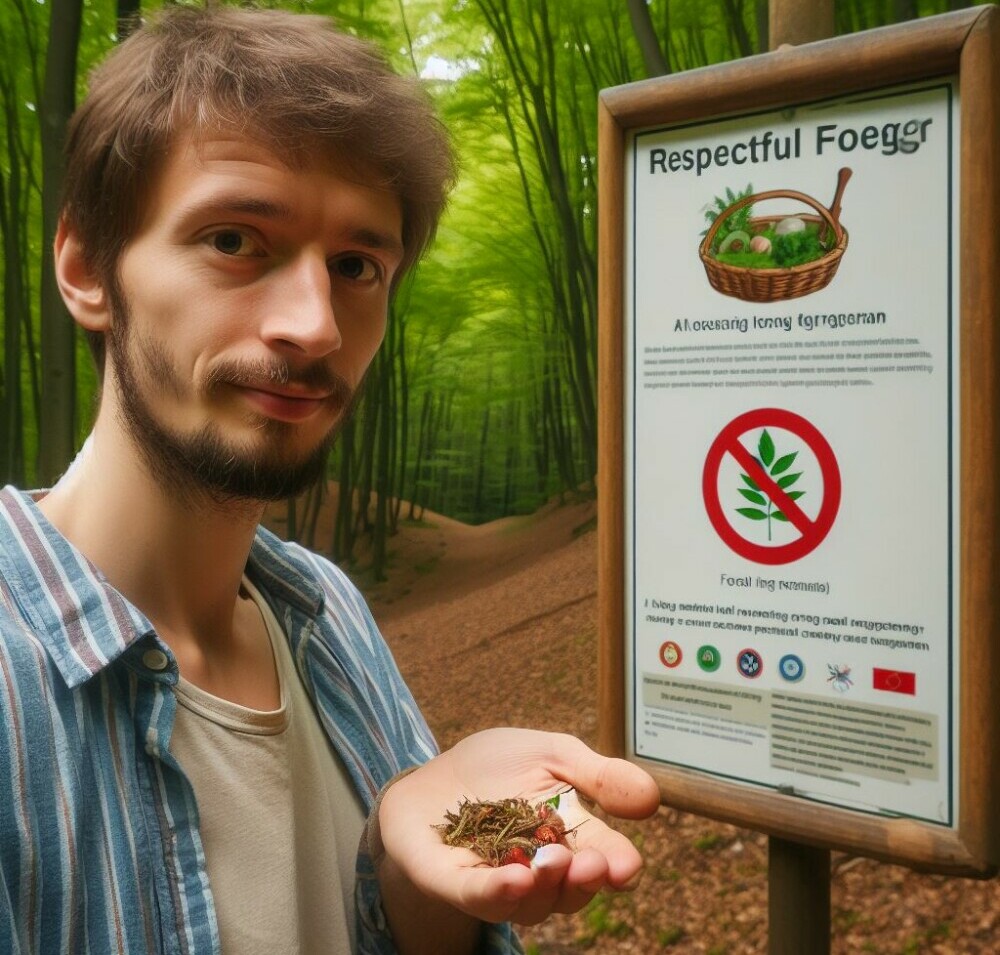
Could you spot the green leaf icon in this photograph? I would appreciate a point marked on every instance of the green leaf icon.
(783, 464)
(753, 492)
(766, 448)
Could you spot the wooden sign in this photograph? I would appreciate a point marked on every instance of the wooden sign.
(799, 519)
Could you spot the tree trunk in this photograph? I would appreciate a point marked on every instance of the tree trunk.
(58, 341)
(642, 26)
(400, 424)
(383, 468)
(343, 534)
(794, 22)
(316, 496)
(12, 199)
(737, 28)
(760, 18)
(128, 15)
(531, 58)
(477, 502)
(423, 433)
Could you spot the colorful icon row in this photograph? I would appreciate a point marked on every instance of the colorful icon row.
(749, 662)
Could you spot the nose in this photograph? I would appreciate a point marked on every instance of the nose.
(300, 314)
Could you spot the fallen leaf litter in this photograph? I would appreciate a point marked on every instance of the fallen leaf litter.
(505, 831)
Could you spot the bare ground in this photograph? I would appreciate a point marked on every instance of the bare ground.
(495, 625)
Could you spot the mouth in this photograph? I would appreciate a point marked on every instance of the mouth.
(286, 404)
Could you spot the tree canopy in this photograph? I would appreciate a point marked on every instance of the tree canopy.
(482, 401)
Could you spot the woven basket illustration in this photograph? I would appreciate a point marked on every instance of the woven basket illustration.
(772, 285)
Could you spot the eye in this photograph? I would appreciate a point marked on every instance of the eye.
(357, 268)
(235, 243)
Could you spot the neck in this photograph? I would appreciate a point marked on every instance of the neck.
(179, 559)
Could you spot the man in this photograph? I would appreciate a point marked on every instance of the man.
(201, 723)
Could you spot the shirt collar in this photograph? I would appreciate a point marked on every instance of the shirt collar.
(83, 622)
(283, 570)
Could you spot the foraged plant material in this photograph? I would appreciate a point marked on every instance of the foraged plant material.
(505, 831)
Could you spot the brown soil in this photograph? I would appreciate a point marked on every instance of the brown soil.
(465, 604)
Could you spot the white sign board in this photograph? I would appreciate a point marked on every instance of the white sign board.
(791, 464)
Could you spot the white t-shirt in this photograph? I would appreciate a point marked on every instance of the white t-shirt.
(280, 819)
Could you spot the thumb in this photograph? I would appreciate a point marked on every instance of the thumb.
(618, 786)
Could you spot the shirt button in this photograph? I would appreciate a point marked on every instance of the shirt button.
(155, 659)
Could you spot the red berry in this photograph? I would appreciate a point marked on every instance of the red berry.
(515, 855)
(547, 835)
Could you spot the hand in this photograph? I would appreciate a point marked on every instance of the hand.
(496, 764)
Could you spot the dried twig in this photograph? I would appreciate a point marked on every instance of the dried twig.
(505, 830)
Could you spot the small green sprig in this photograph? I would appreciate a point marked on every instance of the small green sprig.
(776, 468)
(739, 221)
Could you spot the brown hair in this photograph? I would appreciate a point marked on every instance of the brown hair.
(293, 82)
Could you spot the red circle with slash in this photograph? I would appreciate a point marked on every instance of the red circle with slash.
(811, 531)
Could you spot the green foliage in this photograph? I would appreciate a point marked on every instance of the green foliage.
(601, 920)
(845, 919)
(483, 400)
(710, 840)
(739, 221)
(787, 251)
(797, 248)
(669, 936)
(924, 941)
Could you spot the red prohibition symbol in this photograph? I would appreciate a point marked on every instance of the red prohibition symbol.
(812, 532)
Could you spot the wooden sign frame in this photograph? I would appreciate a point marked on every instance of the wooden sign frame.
(965, 46)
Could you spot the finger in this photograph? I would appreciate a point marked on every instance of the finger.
(493, 894)
(623, 859)
(618, 786)
(549, 867)
(587, 875)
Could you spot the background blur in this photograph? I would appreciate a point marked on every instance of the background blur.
(482, 402)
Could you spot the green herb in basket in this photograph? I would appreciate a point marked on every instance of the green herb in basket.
(739, 221)
(785, 251)
(796, 248)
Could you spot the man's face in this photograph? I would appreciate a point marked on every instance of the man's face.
(249, 305)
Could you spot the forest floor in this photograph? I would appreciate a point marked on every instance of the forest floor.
(496, 625)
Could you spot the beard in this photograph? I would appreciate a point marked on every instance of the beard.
(203, 463)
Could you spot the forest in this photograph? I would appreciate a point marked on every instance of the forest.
(482, 400)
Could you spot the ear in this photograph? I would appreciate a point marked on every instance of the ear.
(82, 291)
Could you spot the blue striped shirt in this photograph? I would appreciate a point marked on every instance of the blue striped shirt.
(100, 850)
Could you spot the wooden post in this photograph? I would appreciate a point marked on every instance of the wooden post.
(799, 21)
(798, 898)
(798, 876)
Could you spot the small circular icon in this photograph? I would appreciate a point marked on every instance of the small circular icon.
(791, 668)
(670, 654)
(750, 663)
(709, 658)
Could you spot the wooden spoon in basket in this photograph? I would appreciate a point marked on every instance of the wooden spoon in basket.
(842, 178)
